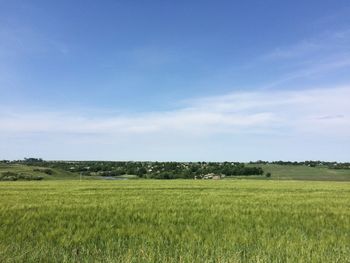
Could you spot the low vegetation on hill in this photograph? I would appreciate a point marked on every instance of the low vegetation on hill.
(18, 172)
(11, 176)
(48, 170)
(156, 170)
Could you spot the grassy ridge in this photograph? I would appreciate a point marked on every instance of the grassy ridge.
(58, 174)
(175, 221)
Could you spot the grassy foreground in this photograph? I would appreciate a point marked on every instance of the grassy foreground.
(175, 221)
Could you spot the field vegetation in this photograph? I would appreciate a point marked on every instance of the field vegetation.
(175, 221)
(304, 172)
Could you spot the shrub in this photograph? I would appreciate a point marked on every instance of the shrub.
(46, 170)
(268, 175)
(8, 176)
(11, 176)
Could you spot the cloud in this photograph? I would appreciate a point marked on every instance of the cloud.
(323, 54)
(297, 50)
(323, 44)
(315, 111)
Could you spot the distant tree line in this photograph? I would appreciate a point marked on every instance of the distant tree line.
(157, 170)
(166, 170)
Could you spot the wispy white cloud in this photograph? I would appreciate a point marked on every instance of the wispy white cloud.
(322, 54)
(297, 50)
(316, 111)
(18, 40)
(325, 44)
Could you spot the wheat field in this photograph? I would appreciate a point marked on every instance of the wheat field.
(174, 221)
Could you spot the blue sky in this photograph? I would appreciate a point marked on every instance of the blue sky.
(175, 80)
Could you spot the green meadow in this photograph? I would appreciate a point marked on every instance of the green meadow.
(302, 172)
(175, 221)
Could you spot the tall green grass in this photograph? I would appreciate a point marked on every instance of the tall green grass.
(174, 221)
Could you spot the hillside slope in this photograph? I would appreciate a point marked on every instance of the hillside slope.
(36, 171)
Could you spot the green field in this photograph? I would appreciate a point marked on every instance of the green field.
(302, 172)
(174, 221)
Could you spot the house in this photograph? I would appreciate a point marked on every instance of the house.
(212, 176)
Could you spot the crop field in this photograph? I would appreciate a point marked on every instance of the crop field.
(302, 172)
(174, 221)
